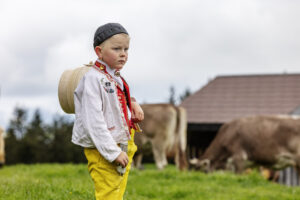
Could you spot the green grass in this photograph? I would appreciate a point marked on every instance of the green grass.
(63, 182)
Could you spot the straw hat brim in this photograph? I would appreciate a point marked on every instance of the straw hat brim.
(67, 85)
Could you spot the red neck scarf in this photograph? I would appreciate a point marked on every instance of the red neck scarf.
(123, 95)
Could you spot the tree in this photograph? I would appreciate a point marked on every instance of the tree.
(62, 149)
(15, 133)
(172, 99)
(34, 144)
(185, 94)
(17, 124)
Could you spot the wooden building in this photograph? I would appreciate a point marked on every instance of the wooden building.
(228, 97)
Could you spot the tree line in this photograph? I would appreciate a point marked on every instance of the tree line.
(33, 141)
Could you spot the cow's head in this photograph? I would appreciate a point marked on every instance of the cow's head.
(202, 165)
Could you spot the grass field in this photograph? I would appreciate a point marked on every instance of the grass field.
(72, 182)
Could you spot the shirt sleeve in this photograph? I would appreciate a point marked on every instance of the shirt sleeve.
(93, 119)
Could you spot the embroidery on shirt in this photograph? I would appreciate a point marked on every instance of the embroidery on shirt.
(107, 86)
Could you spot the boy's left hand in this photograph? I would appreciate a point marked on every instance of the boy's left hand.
(137, 112)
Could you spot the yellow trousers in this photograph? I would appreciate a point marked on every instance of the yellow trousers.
(109, 184)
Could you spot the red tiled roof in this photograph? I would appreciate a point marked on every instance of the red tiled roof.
(229, 97)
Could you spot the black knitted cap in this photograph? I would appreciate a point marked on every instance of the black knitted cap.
(106, 31)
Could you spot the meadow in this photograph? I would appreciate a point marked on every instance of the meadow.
(72, 182)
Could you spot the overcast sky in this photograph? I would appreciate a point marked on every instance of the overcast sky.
(181, 43)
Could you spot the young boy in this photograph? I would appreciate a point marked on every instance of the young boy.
(105, 113)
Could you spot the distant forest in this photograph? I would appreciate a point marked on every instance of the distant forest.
(33, 141)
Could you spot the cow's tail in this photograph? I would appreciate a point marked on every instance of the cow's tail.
(181, 138)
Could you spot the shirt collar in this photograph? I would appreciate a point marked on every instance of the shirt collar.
(112, 73)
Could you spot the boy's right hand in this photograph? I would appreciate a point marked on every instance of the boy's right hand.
(122, 159)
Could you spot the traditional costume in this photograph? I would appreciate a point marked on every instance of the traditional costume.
(103, 123)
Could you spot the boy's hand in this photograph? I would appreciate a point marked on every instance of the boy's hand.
(137, 112)
(122, 159)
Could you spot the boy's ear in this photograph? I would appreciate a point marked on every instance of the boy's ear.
(98, 51)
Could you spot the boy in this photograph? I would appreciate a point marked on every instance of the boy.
(105, 113)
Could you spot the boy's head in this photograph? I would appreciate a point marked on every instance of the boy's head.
(111, 44)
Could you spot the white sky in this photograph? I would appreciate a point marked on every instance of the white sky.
(180, 43)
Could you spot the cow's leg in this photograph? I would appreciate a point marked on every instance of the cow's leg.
(298, 168)
(180, 159)
(177, 159)
(138, 161)
(165, 161)
(159, 152)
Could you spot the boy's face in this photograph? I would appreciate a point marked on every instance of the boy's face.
(114, 51)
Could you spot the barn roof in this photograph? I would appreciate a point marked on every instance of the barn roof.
(229, 97)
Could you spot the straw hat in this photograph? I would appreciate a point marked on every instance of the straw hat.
(67, 84)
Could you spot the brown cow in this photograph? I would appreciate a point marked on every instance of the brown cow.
(165, 128)
(2, 155)
(270, 141)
